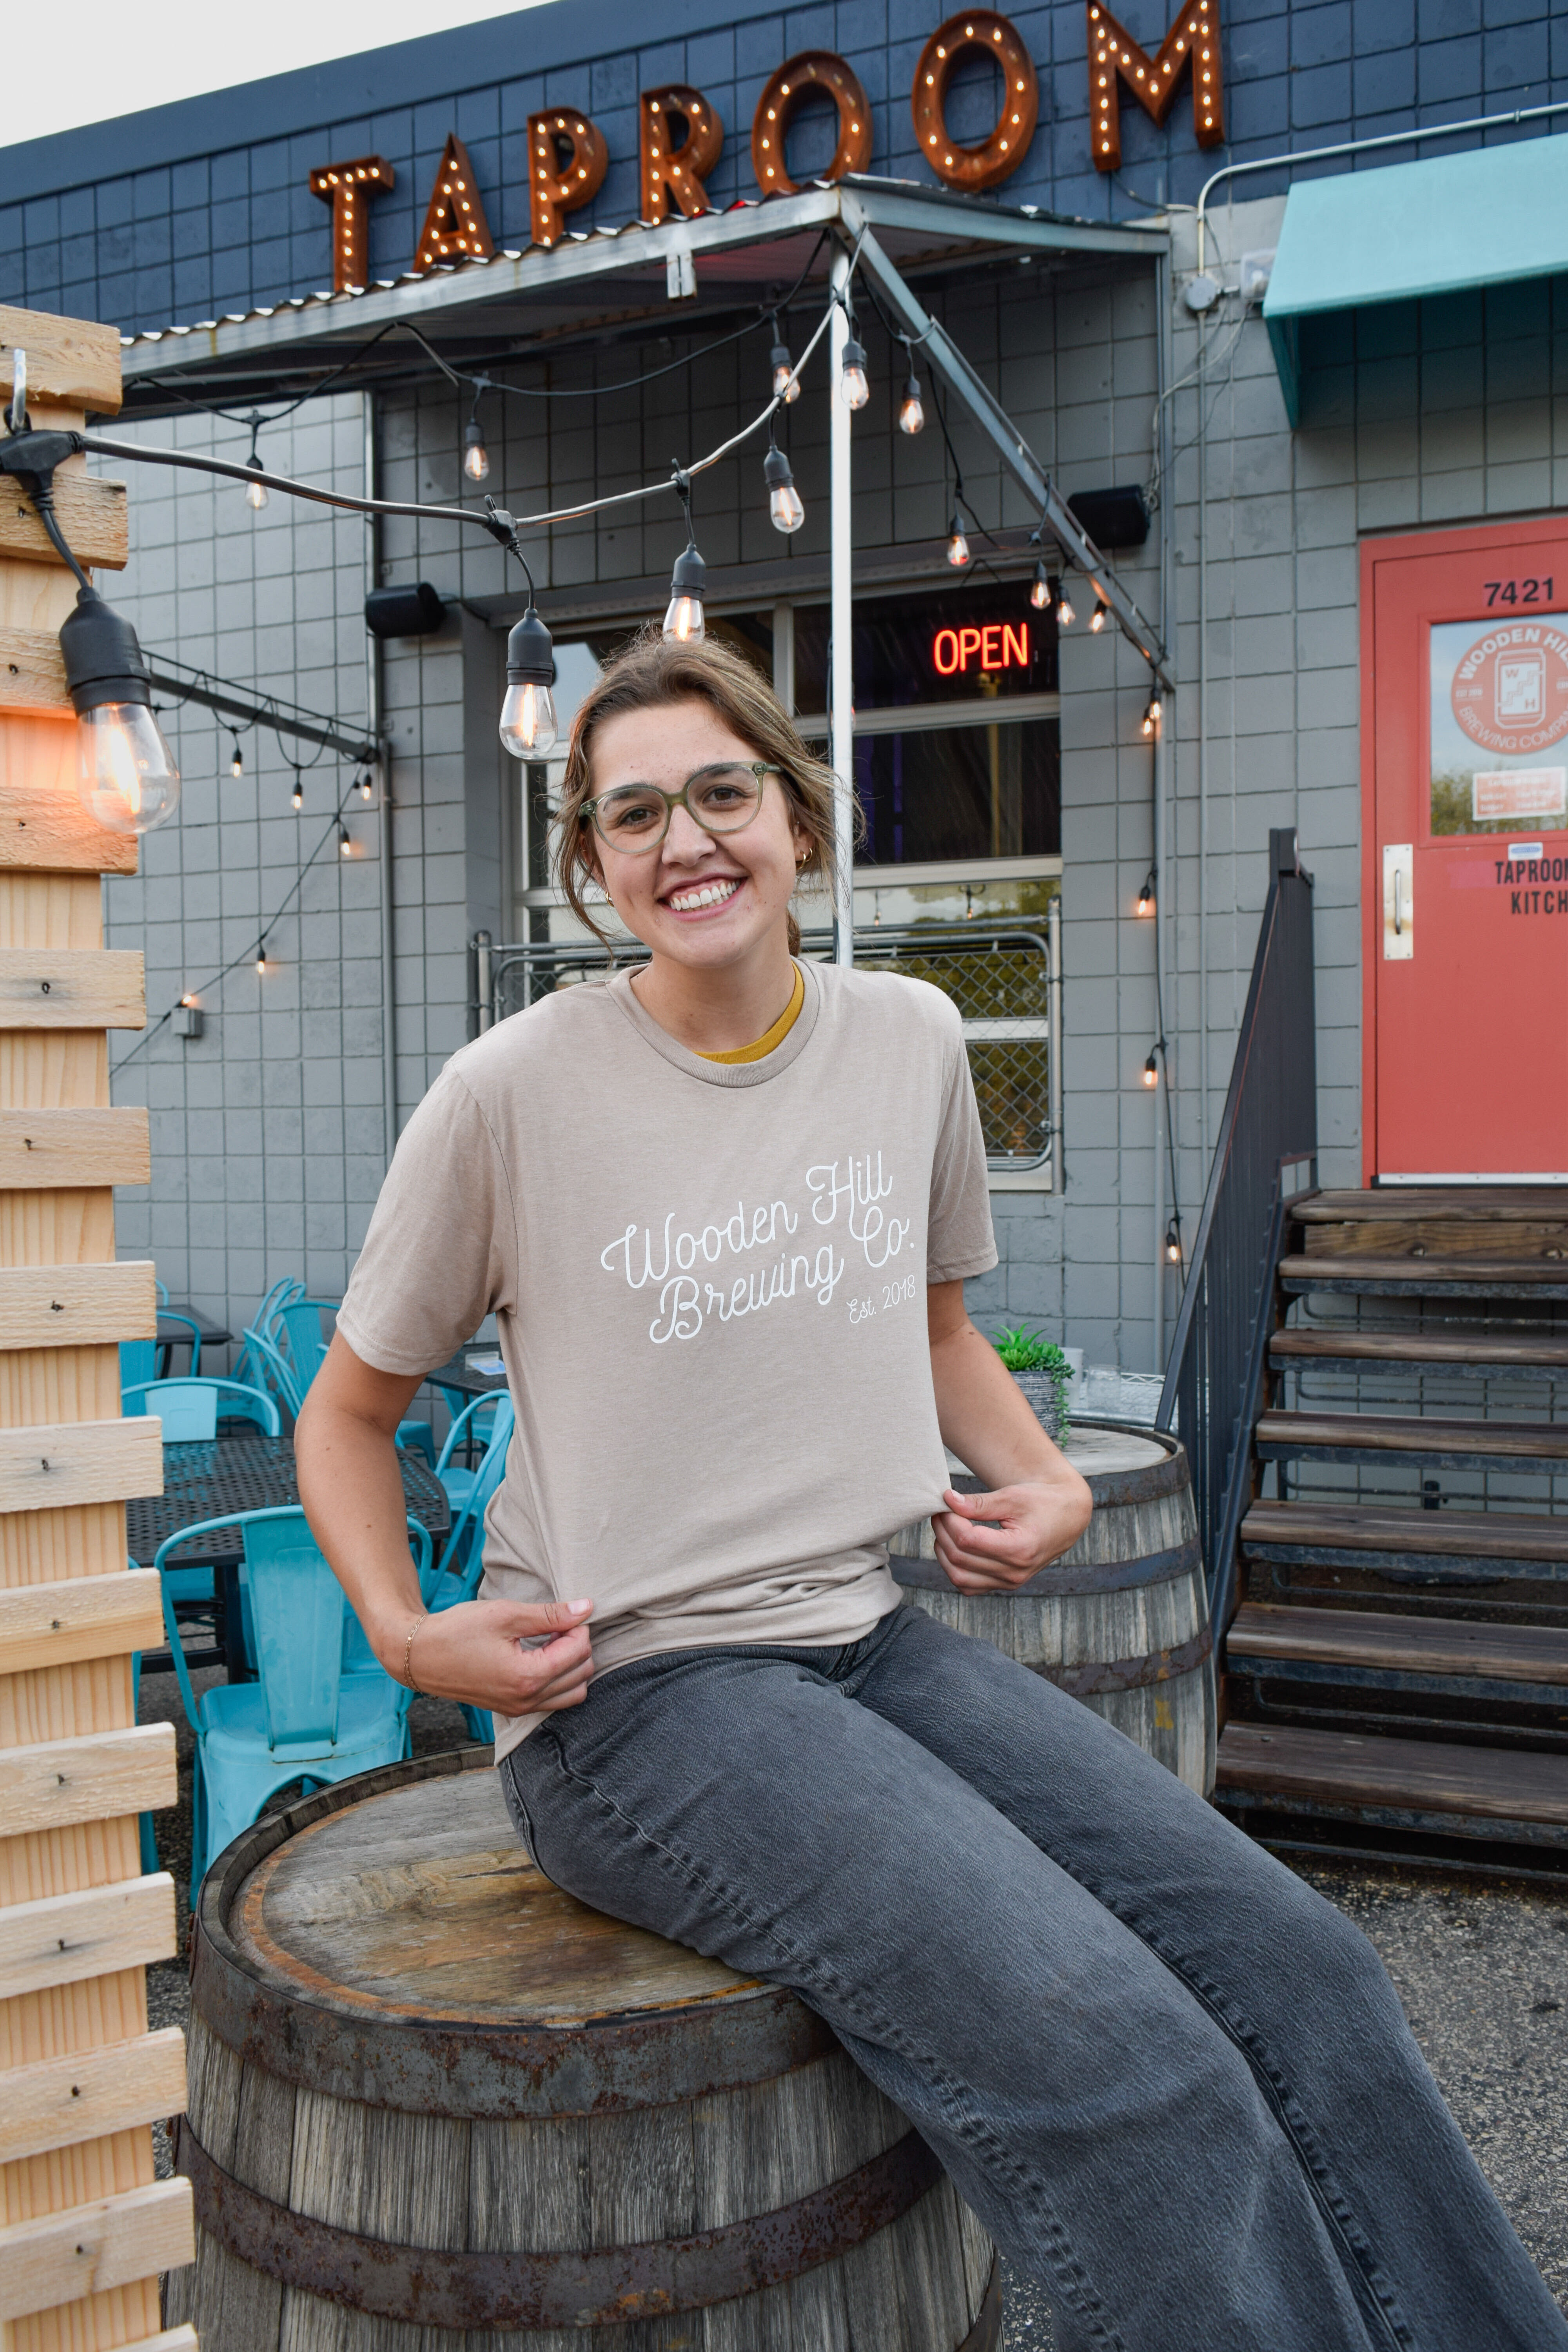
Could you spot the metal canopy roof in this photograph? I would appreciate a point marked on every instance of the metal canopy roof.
(597, 286)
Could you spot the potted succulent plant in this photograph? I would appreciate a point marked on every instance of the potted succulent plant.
(1042, 1371)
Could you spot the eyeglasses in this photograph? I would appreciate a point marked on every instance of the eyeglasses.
(722, 799)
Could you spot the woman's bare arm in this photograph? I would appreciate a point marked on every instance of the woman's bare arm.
(353, 1493)
(1042, 1503)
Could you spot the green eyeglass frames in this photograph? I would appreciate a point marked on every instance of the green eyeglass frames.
(724, 798)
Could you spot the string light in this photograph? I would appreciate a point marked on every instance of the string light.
(786, 384)
(1044, 592)
(911, 409)
(366, 786)
(237, 765)
(1065, 613)
(1146, 896)
(345, 841)
(1173, 1242)
(528, 722)
(1151, 1067)
(260, 959)
(852, 381)
(475, 456)
(298, 794)
(1098, 617)
(785, 511)
(683, 619)
(957, 545)
(256, 491)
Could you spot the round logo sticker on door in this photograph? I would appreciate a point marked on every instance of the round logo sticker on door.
(1510, 688)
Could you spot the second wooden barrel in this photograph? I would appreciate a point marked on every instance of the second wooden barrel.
(1121, 1619)
(437, 2105)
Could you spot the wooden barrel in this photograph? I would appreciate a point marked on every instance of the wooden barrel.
(436, 2102)
(1121, 1621)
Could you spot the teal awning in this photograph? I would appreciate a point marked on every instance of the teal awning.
(1456, 222)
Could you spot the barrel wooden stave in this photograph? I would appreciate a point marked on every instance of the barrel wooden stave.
(1100, 1617)
(622, 2176)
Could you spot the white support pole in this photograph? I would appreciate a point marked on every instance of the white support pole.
(841, 631)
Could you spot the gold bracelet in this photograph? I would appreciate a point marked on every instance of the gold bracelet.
(408, 1654)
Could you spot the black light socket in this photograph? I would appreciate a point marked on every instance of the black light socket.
(779, 357)
(103, 661)
(777, 475)
(530, 652)
(416, 611)
(689, 576)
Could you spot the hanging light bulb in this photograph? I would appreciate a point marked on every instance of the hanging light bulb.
(683, 621)
(475, 456)
(1044, 591)
(787, 385)
(1097, 618)
(298, 794)
(126, 774)
(911, 408)
(256, 492)
(1156, 709)
(852, 381)
(785, 511)
(1152, 1068)
(261, 960)
(1065, 613)
(957, 545)
(1148, 728)
(237, 765)
(1173, 1242)
(345, 840)
(527, 724)
(366, 786)
(1146, 896)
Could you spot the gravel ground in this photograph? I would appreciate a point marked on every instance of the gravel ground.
(1481, 1968)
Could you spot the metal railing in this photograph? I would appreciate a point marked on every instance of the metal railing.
(1268, 1132)
(1004, 977)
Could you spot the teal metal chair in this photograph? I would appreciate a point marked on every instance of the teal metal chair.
(315, 1713)
(190, 1410)
(475, 1421)
(462, 1559)
(265, 1322)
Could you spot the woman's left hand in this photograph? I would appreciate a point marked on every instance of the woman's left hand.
(1038, 1519)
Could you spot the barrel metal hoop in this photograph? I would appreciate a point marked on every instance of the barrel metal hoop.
(502, 2074)
(986, 2332)
(1062, 1581)
(1103, 1675)
(426, 2286)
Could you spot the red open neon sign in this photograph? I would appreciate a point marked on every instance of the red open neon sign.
(999, 644)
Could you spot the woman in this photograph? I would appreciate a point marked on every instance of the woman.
(723, 1210)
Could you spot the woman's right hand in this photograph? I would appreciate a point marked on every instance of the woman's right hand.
(473, 1653)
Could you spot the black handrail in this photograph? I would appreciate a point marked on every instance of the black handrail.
(1270, 1126)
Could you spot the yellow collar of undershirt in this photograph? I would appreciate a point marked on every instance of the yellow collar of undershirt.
(770, 1037)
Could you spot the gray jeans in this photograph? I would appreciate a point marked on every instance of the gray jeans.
(1173, 2082)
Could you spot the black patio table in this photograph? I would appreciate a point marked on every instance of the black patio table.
(172, 1333)
(203, 1479)
(458, 1373)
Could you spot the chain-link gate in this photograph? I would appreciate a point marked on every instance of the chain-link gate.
(1004, 977)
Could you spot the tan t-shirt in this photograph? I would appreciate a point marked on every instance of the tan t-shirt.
(708, 1283)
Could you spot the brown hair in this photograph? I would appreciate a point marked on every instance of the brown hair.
(651, 674)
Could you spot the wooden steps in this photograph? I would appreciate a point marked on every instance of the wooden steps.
(1411, 1276)
(1456, 1204)
(1505, 1685)
(1386, 1535)
(1354, 1349)
(1374, 1643)
(1441, 1445)
(1411, 1800)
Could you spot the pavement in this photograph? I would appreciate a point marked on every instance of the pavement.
(1480, 1965)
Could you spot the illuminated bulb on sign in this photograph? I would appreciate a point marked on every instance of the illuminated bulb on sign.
(852, 382)
(528, 722)
(911, 409)
(957, 545)
(475, 456)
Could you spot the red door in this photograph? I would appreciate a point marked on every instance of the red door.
(1465, 893)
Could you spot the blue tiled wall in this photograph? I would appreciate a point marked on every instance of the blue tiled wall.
(194, 210)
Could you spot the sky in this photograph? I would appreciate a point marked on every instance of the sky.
(128, 58)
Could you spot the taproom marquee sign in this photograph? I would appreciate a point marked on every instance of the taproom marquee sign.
(681, 136)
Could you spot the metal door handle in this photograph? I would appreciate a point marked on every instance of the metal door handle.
(1398, 881)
